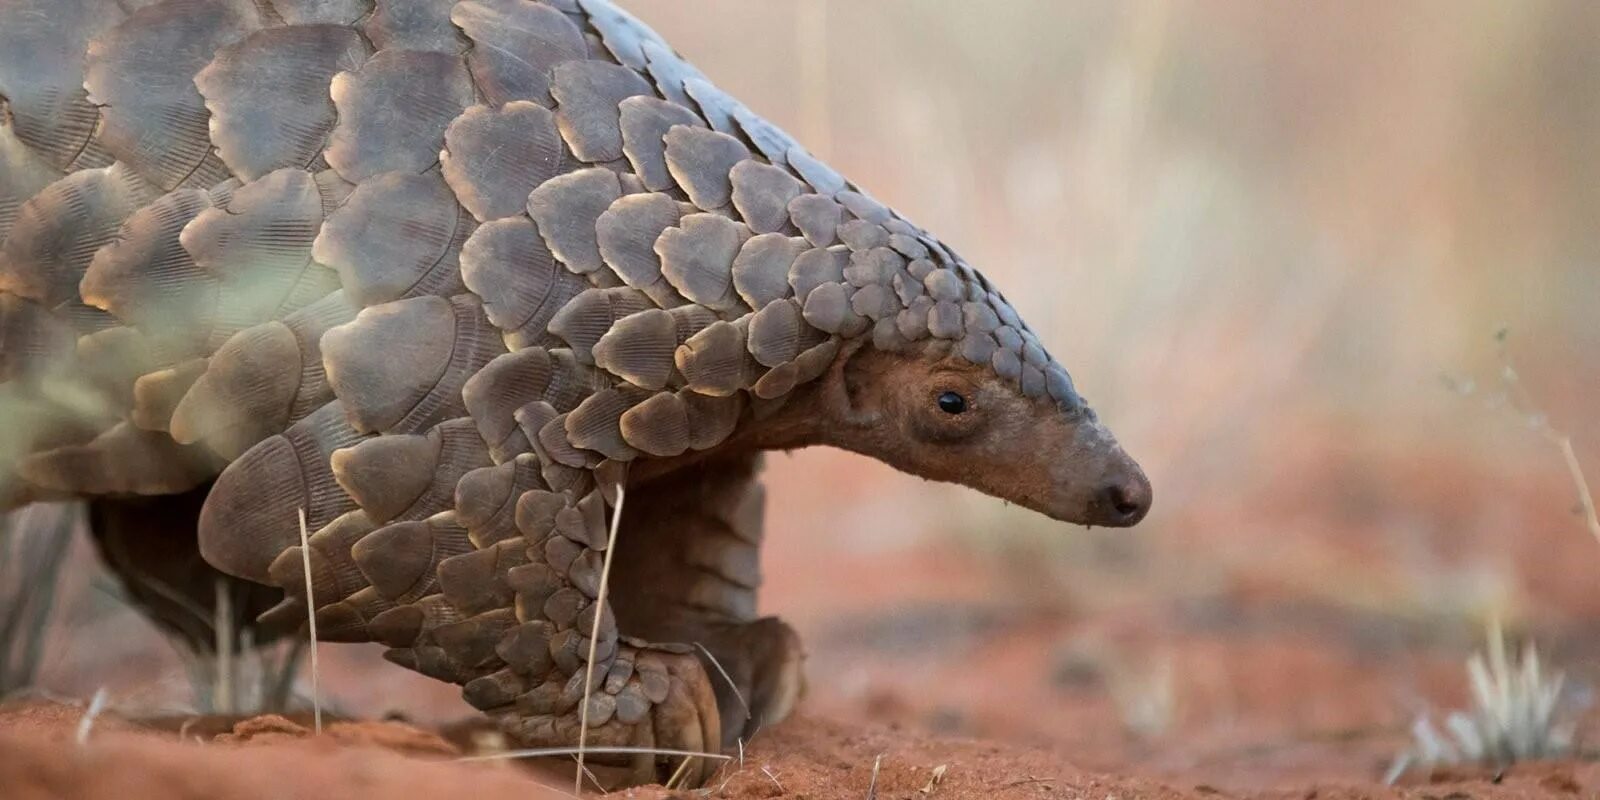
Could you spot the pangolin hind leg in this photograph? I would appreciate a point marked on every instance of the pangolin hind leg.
(149, 544)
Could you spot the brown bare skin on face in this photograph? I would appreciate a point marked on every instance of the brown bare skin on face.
(943, 418)
(465, 272)
(948, 420)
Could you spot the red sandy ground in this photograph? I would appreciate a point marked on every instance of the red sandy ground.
(270, 757)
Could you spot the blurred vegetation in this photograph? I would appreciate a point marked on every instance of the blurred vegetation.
(1517, 715)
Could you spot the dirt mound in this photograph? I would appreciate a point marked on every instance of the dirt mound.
(811, 758)
(40, 759)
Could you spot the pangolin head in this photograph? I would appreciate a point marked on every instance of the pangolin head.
(943, 380)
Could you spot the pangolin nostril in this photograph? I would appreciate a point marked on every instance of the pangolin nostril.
(1127, 501)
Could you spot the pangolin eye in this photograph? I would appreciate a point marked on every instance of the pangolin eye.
(952, 403)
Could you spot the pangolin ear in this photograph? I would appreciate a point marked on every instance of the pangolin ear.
(857, 388)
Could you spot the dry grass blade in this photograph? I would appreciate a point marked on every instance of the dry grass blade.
(1585, 497)
(768, 772)
(236, 676)
(33, 547)
(741, 741)
(96, 705)
(585, 772)
(278, 679)
(594, 632)
(1521, 402)
(222, 630)
(677, 774)
(311, 620)
(725, 676)
(872, 788)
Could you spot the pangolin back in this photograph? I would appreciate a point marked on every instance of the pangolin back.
(404, 264)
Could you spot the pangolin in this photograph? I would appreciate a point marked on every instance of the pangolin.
(447, 279)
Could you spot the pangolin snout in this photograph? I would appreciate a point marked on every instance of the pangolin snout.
(1123, 499)
(1096, 482)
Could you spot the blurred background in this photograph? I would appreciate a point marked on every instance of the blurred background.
(1278, 246)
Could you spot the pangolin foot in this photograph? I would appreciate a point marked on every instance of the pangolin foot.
(656, 697)
(764, 678)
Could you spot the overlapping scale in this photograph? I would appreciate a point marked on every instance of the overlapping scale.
(57, 231)
(507, 264)
(414, 25)
(644, 123)
(701, 161)
(397, 235)
(515, 44)
(268, 95)
(42, 43)
(566, 210)
(588, 97)
(399, 367)
(626, 235)
(146, 278)
(591, 314)
(495, 157)
(258, 246)
(393, 111)
(261, 380)
(250, 516)
(697, 258)
(140, 73)
(410, 476)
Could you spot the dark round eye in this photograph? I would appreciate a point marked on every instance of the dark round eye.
(952, 403)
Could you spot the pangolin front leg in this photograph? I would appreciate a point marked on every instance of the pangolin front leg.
(499, 595)
(683, 664)
(693, 538)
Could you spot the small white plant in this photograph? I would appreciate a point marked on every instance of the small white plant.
(1516, 716)
(1146, 697)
